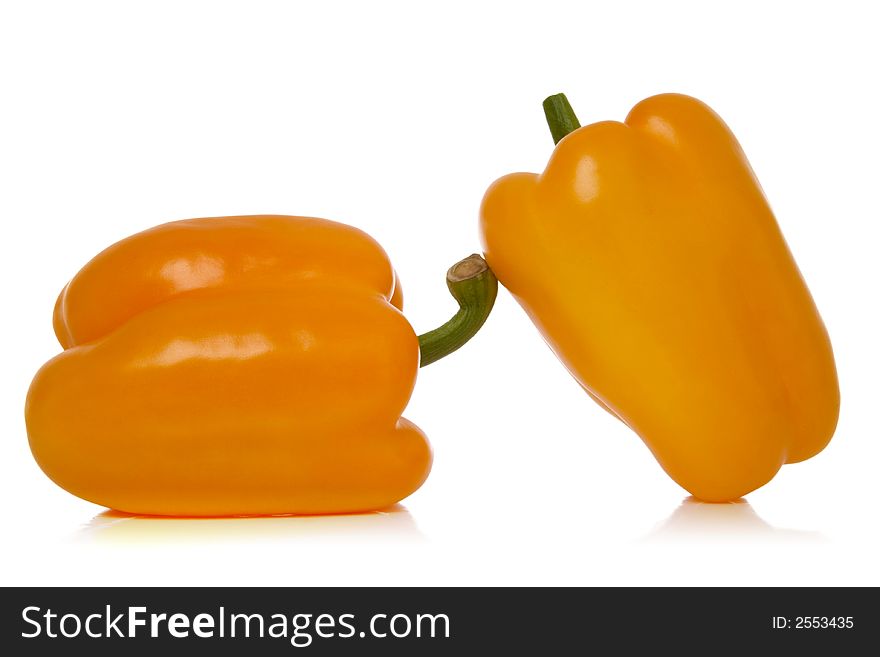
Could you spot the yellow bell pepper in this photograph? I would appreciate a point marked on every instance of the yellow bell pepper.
(648, 257)
(241, 366)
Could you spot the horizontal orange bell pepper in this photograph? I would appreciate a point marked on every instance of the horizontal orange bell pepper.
(648, 257)
(241, 366)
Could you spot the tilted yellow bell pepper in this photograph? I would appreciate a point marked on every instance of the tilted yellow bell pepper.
(647, 255)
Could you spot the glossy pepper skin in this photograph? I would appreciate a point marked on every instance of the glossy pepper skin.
(648, 257)
(232, 366)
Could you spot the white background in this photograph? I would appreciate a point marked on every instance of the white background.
(395, 117)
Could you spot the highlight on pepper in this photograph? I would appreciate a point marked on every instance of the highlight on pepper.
(241, 366)
(648, 256)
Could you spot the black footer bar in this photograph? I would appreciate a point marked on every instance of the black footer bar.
(433, 621)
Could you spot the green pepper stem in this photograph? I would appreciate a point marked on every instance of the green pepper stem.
(560, 116)
(474, 287)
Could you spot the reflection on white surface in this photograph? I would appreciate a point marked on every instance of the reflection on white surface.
(728, 521)
(114, 527)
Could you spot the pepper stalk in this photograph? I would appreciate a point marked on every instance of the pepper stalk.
(474, 287)
(560, 116)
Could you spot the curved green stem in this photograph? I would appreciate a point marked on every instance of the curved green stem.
(474, 286)
(560, 116)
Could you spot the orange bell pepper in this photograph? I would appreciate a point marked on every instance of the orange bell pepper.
(648, 257)
(238, 366)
